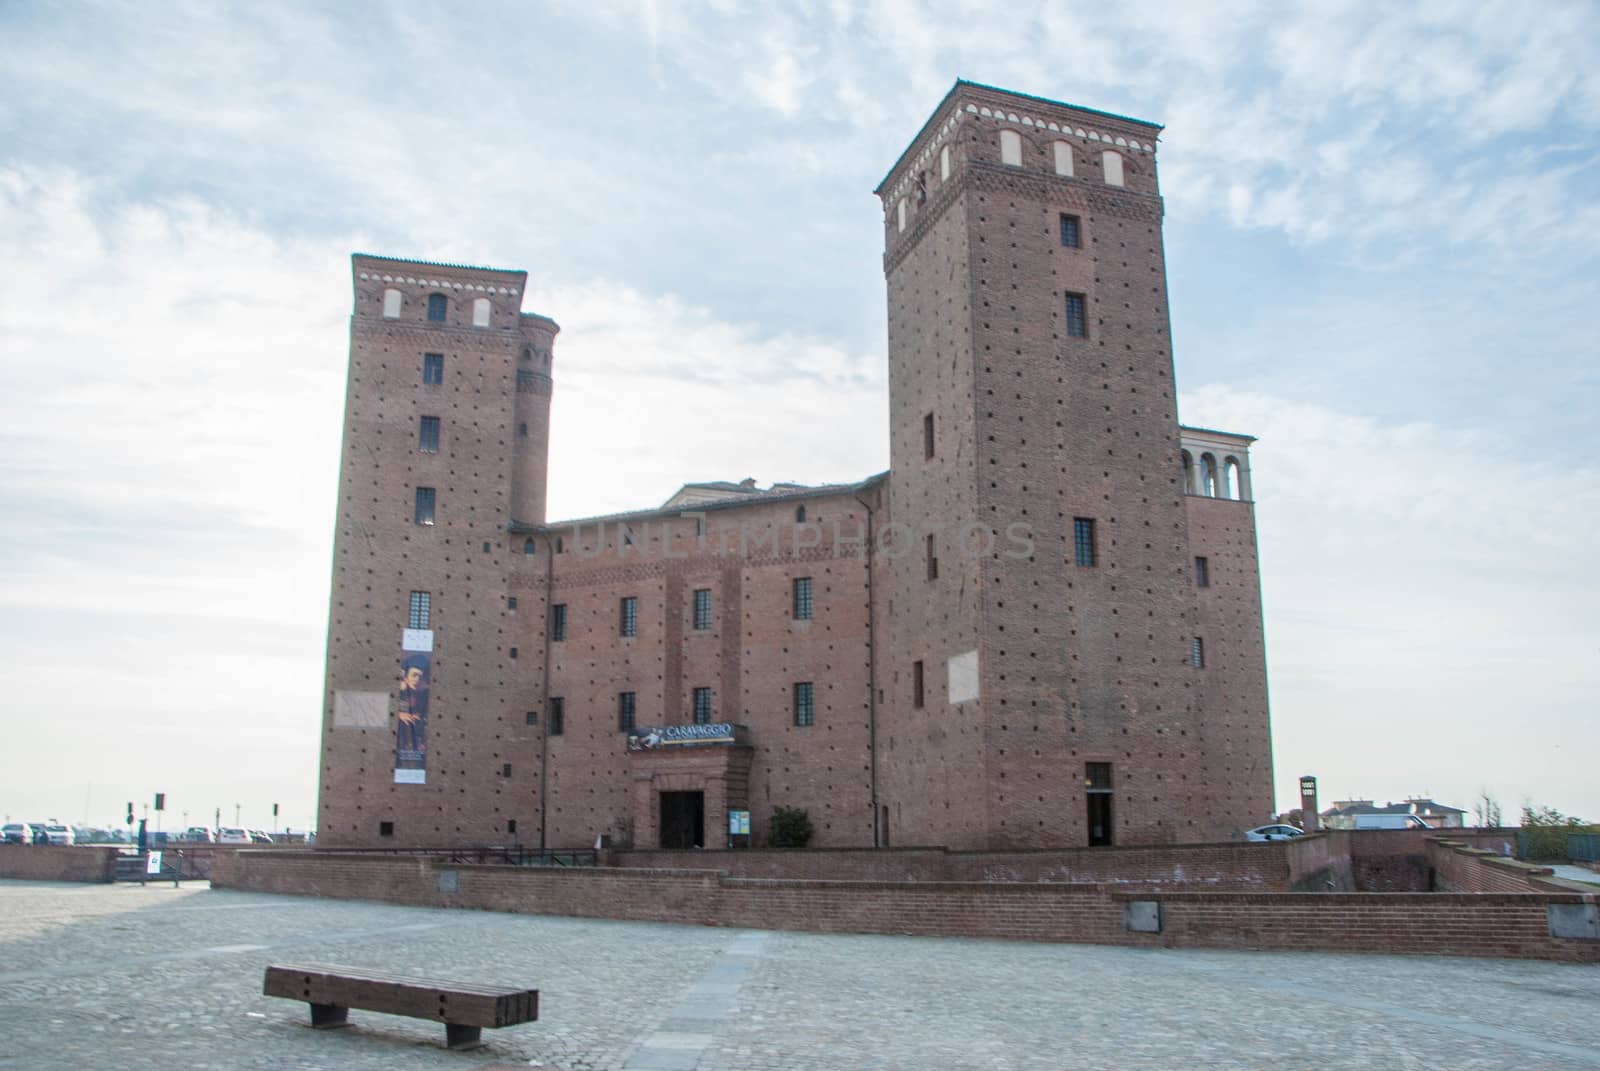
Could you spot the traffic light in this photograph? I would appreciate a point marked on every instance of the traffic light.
(130, 812)
(161, 801)
(274, 810)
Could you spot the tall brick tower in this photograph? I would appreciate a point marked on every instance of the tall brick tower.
(1059, 676)
(445, 437)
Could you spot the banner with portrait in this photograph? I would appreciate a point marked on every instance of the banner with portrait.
(411, 707)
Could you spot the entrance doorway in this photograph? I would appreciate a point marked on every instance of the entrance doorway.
(683, 819)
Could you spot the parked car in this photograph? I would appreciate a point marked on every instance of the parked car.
(16, 833)
(56, 833)
(1273, 832)
(259, 837)
(198, 835)
(232, 836)
(1390, 821)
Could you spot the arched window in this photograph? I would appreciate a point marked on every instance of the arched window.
(900, 213)
(1063, 158)
(800, 515)
(391, 304)
(1188, 473)
(1208, 475)
(944, 164)
(438, 305)
(480, 312)
(1233, 478)
(528, 547)
(1113, 167)
(1011, 148)
(1230, 469)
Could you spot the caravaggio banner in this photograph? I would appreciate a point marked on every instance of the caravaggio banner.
(411, 707)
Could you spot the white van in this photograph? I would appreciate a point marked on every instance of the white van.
(1390, 821)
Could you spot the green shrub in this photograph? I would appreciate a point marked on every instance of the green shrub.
(1544, 833)
(790, 828)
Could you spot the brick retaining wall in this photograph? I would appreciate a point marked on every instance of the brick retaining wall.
(1237, 865)
(39, 862)
(1464, 925)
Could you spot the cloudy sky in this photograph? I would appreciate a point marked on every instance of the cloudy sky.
(1382, 224)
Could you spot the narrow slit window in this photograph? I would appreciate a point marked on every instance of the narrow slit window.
(916, 684)
(1202, 573)
(558, 622)
(1077, 317)
(702, 706)
(933, 558)
(802, 598)
(804, 712)
(702, 609)
(630, 615)
(1197, 653)
(558, 715)
(927, 436)
(1083, 542)
(627, 708)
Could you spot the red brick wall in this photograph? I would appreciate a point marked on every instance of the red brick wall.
(1472, 925)
(31, 862)
(1457, 867)
(1240, 866)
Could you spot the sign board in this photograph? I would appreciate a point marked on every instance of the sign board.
(654, 738)
(152, 863)
(738, 823)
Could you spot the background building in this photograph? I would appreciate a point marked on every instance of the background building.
(1041, 628)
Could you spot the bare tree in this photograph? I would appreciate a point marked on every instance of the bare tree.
(1486, 811)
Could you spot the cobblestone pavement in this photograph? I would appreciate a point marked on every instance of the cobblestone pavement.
(162, 978)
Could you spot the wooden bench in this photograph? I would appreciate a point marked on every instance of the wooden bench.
(463, 1009)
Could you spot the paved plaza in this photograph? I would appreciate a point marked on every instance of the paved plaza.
(98, 976)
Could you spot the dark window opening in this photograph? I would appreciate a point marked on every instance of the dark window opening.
(799, 515)
(428, 435)
(532, 717)
(522, 431)
(927, 436)
(630, 616)
(916, 684)
(1077, 321)
(1083, 541)
(627, 705)
(558, 622)
(558, 715)
(511, 602)
(528, 546)
(1097, 783)
(933, 559)
(513, 652)
(802, 598)
(385, 829)
(702, 706)
(505, 771)
(438, 306)
(432, 369)
(1070, 232)
(1202, 573)
(511, 825)
(804, 712)
(702, 609)
(425, 505)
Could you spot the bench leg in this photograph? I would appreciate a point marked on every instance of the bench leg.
(462, 1037)
(327, 1016)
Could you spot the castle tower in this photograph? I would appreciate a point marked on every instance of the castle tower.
(445, 433)
(1044, 632)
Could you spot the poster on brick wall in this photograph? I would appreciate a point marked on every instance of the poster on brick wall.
(411, 707)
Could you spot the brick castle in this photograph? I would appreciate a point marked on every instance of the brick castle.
(1041, 628)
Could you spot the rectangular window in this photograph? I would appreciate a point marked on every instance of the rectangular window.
(438, 304)
(702, 706)
(1070, 226)
(702, 609)
(933, 559)
(916, 684)
(511, 602)
(804, 713)
(1197, 653)
(558, 622)
(558, 715)
(802, 598)
(1083, 541)
(385, 829)
(432, 369)
(1202, 573)
(505, 769)
(1077, 322)
(627, 705)
(421, 610)
(425, 503)
(927, 436)
(1097, 785)
(630, 615)
(532, 717)
(428, 435)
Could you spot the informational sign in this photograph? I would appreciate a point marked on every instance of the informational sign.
(655, 737)
(411, 707)
(152, 863)
(738, 823)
